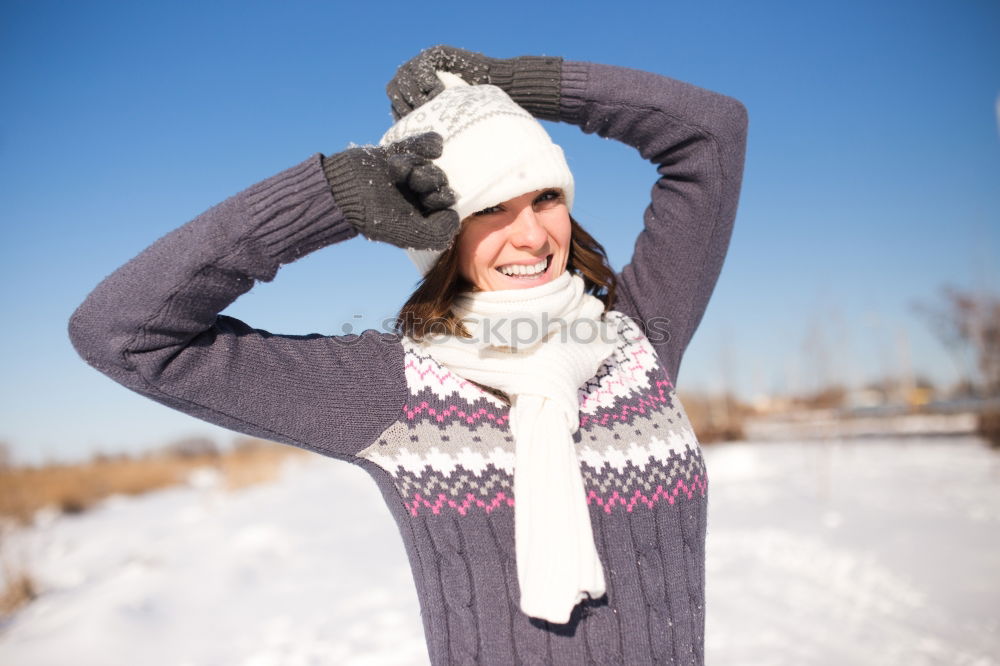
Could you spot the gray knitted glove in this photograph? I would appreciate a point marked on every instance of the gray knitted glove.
(394, 193)
(531, 81)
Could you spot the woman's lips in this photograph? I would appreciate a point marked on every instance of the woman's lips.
(529, 278)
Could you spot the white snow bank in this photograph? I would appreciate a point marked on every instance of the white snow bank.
(873, 552)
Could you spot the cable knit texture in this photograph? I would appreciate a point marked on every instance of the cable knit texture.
(532, 82)
(438, 446)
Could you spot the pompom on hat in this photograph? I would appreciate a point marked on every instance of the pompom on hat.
(494, 150)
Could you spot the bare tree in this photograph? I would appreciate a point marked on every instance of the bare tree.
(968, 324)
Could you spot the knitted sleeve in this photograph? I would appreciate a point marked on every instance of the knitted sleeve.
(697, 139)
(153, 325)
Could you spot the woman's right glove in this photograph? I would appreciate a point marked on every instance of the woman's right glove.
(394, 193)
(534, 82)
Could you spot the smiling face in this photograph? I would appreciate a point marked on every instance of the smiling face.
(522, 242)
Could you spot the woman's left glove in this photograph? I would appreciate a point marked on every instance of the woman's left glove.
(394, 193)
(534, 82)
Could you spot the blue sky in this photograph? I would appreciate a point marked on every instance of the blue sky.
(872, 175)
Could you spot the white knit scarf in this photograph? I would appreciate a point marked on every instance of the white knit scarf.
(539, 345)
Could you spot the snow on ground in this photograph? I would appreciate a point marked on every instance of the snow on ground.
(863, 552)
(860, 552)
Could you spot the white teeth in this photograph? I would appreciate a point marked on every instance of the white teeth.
(515, 269)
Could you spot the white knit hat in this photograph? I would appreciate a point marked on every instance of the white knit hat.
(494, 150)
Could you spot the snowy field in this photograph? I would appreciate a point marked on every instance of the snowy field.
(870, 552)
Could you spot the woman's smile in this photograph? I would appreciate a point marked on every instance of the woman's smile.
(524, 272)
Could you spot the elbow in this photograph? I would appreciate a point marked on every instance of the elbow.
(730, 131)
(742, 116)
(83, 335)
(733, 119)
(723, 121)
(743, 120)
(98, 339)
(92, 338)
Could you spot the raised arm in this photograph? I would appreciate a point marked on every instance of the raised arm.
(153, 325)
(696, 138)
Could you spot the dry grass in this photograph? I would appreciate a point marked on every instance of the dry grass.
(254, 461)
(77, 487)
(19, 589)
(715, 418)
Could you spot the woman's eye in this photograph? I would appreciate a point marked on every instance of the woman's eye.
(488, 211)
(549, 195)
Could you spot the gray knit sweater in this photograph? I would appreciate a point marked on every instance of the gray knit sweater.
(439, 447)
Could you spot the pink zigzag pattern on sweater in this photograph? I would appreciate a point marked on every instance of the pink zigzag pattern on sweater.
(463, 506)
(440, 415)
(626, 376)
(658, 396)
(442, 378)
(697, 484)
(651, 399)
(470, 501)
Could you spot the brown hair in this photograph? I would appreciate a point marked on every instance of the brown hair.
(428, 310)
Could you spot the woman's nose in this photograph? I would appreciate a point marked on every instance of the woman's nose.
(527, 230)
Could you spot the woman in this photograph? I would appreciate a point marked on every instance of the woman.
(548, 487)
